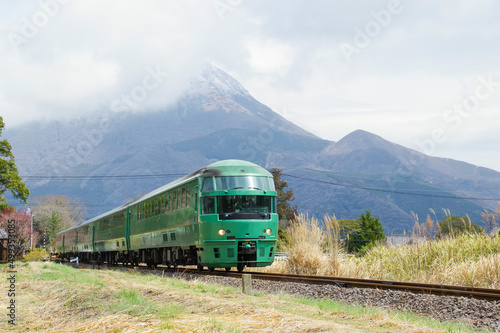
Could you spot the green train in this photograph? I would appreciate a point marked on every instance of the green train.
(223, 215)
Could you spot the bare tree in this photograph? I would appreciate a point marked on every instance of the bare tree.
(54, 213)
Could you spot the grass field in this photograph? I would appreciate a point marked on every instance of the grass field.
(58, 298)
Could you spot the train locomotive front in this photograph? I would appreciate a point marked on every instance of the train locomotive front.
(238, 221)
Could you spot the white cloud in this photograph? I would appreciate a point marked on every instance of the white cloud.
(286, 53)
(269, 56)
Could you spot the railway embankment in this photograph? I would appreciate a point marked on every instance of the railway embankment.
(59, 298)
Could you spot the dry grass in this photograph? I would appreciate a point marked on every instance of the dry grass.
(469, 260)
(55, 298)
(311, 250)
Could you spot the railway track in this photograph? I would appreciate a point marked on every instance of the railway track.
(419, 288)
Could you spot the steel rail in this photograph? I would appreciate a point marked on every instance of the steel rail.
(420, 288)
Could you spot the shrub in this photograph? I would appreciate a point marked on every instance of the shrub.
(371, 232)
(457, 225)
(37, 255)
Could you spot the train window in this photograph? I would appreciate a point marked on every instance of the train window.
(172, 236)
(174, 203)
(208, 184)
(165, 237)
(178, 198)
(188, 197)
(183, 197)
(207, 205)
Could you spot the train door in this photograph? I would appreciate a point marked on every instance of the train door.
(196, 210)
(196, 213)
(64, 237)
(93, 238)
(127, 227)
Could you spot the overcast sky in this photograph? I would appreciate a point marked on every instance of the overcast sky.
(424, 74)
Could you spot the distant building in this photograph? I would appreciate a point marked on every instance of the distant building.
(4, 237)
(398, 240)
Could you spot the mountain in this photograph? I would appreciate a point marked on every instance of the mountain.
(393, 181)
(217, 118)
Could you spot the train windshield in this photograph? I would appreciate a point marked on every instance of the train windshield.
(239, 206)
(247, 182)
(244, 206)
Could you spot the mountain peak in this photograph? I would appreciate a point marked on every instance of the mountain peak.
(356, 140)
(212, 79)
(362, 139)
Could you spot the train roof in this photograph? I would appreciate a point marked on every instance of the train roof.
(220, 168)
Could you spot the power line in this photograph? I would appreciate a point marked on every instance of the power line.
(96, 177)
(384, 190)
(391, 191)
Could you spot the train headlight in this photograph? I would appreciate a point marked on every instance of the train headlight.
(268, 231)
(222, 232)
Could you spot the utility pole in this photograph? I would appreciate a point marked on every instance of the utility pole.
(32, 217)
(31, 231)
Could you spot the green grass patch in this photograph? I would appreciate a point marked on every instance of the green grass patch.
(134, 303)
